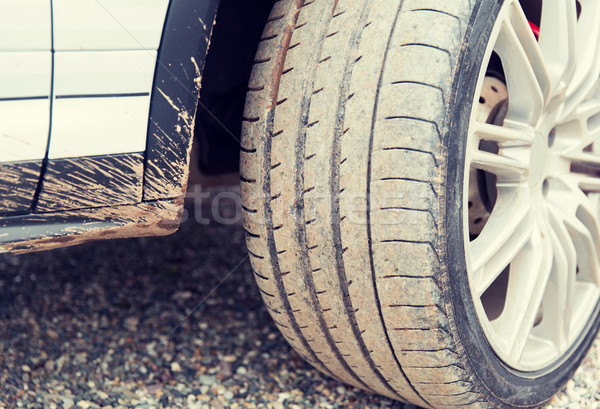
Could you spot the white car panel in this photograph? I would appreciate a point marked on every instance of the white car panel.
(25, 25)
(108, 24)
(98, 126)
(103, 72)
(101, 102)
(26, 74)
(25, 84)
(24, 129)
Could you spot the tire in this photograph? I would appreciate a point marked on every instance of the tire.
(352, 172)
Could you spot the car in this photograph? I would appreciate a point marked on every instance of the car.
(420, 179)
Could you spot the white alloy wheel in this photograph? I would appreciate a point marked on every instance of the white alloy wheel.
(533, 268)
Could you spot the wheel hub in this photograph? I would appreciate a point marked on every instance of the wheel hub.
(538, 160)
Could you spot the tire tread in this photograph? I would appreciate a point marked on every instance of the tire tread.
(306, 137)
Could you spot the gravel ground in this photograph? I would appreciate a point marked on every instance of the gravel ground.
(165, 323)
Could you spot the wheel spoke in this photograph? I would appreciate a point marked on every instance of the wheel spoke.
(526, 74)
(585, 120)
(502, 134)
(587, 68)
(565, 195)
(580, 219)
(584, 158)
(558, 31)
(509, 228)
(507, 169)
(586, 248)
(558, 301)
(588, 183)
(531, 273)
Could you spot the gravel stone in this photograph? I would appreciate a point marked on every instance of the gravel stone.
(166, 322)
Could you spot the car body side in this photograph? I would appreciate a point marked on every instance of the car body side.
(72, 199)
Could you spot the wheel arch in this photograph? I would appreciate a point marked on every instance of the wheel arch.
(175, 95)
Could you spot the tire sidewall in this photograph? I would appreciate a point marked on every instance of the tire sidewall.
(503, 386)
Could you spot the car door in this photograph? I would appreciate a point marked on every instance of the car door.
(103, 69)
(25, 91)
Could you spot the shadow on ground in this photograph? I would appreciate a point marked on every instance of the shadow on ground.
(154, 322)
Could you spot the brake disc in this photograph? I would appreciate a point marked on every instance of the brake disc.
(493, 100)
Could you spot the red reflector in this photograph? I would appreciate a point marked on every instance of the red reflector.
(535, 29)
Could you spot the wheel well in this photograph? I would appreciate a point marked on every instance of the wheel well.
(236, 34)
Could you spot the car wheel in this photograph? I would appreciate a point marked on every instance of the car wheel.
(421, 193)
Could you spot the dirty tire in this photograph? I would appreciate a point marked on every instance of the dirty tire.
(351, 173)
